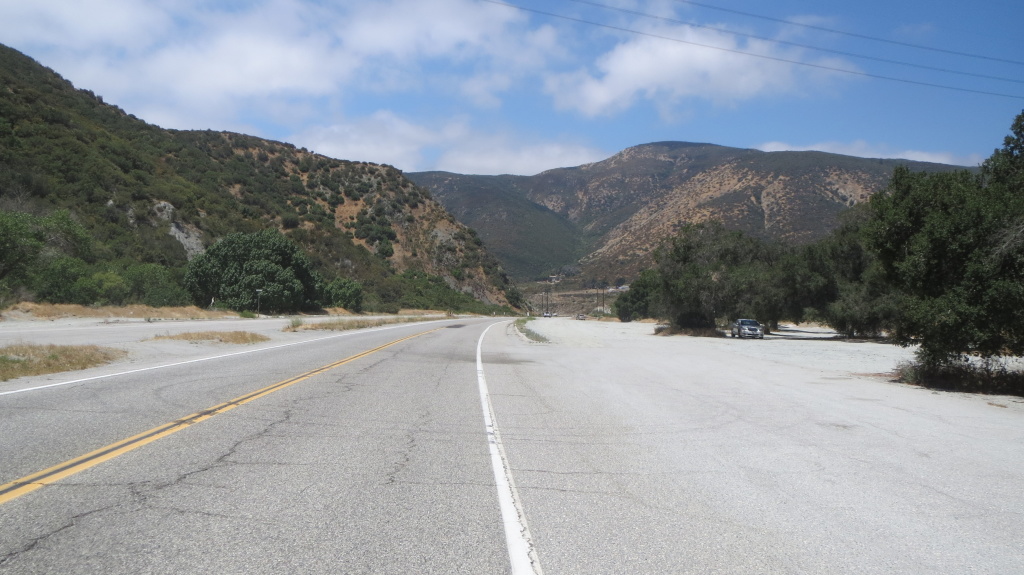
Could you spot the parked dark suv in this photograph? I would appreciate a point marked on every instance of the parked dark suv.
(747, 328)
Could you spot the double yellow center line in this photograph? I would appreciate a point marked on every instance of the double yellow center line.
(30, 483)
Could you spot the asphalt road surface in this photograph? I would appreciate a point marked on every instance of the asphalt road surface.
(608, 450)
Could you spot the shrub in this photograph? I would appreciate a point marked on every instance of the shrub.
(233, 269)
(345, 293)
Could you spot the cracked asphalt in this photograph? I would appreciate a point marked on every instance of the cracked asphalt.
(377, 466)
(631, 453)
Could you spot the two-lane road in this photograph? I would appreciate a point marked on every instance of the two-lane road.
(623, 452)
(379, 465)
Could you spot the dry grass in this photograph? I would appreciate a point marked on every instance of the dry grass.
(243, 337)
(417, 312)
(24, 360)
(345, 324)
(55, 311)
(337, 311)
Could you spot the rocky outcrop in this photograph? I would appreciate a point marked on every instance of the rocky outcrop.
(189, 236)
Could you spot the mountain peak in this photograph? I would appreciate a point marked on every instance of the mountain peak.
(614, 212)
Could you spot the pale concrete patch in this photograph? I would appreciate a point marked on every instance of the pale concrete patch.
(806, 347)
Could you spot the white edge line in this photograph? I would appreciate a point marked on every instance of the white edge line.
(517, 535)
(84, 379)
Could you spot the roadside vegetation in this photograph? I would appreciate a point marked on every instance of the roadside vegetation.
(136, 311)
(935, 261)
(27, 360)
(238, 337)
(347, 324)
(262, 272)
(521, 325)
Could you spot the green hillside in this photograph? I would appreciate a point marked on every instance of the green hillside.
(150, 196)
(530, 239)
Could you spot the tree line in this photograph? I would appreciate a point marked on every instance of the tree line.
(51, 259)
(935, 260)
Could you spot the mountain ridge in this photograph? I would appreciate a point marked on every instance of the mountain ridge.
(619, 209)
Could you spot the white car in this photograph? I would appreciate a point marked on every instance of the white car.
(742, 328)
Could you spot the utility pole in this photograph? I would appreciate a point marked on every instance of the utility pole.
(258, 292)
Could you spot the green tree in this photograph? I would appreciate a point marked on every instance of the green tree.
(642, 299)
(55, 281)
(762, 281)
(344, 292)
(952, 247)
(154, 285)
(709, 272)
(233, 269)
(25, 238)
(29, 243)
(839, 280)
(21, 241)
(108, 287)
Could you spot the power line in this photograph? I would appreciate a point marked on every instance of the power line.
(852, 34)
(797, 44)
(755, 55)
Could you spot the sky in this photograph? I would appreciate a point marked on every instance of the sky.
(522, 86)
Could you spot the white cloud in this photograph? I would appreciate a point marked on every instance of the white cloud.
(863, 149)
(486, 154)
(482, 89)
(190, 62)
(705, 64)
(416, 30)
(382, 137)
(77, 25)
(452, 146)
(245, 64)
(462, 48)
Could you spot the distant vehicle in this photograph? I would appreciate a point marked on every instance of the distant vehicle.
(547, 314)
(581, 316)
(742, 328)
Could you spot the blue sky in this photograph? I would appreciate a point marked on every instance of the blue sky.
(520, 86)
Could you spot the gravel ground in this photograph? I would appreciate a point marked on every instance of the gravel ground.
(797, 453)
(809, 347)
(814, 351)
